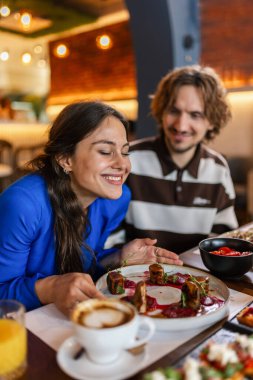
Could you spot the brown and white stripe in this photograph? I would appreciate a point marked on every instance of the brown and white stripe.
(178, 207)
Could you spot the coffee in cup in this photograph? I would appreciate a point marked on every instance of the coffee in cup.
(105, 328)
(103, 316)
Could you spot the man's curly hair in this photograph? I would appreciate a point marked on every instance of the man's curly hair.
(216, 109)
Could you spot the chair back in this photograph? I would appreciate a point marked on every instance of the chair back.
(250, 193)
(22, 155)
(6, 152)
(6, 164)
(240, 169)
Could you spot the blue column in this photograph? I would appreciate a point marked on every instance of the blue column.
(165, 35)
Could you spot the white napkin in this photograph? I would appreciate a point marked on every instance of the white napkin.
(49, 324)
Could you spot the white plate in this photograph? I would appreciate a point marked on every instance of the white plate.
(167, 295)
(84, 369)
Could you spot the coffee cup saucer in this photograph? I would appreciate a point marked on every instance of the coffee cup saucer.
(84, 369)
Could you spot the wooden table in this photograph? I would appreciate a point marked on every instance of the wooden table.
(42, 359)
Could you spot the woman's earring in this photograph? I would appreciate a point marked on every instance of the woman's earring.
(66, 171)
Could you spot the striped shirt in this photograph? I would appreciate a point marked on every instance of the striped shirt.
(179, 207)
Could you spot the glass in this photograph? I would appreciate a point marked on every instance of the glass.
(13, 340)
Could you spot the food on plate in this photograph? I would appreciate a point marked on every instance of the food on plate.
(156, 273)
(233, 359)
(246, 316)
(226, 251)
(203, 282)
(180, 278)
(139, 299)
(192, 296)
(115, 282)
(216, 361)
(176, 278)
(239, 234)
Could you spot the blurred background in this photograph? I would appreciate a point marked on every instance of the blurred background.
(53, 52)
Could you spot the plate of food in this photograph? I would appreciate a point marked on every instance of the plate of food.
(244, 319)
(245, 233)
(226, 355)
(177, 298)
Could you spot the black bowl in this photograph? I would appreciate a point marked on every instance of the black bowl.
(226, 266)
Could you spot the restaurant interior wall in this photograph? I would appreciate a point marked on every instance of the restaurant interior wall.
(17, 77)
(227, 40)
(222, 47)
(111, 75)
(92, 73)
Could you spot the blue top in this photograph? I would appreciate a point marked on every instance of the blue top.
(27, 241)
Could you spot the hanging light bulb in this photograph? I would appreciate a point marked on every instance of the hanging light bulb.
(26, 19)
(61, 50)
(4, 55)
(104, 42)
(5, 11)
(26, 58)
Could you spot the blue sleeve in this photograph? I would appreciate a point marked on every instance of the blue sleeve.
(19, 220)
(113, 212)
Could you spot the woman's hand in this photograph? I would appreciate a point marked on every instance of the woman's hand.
(66, 290)
(144, 251)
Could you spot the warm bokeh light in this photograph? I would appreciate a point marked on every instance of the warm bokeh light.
(236, 79)
(241, 97)
(104, 42)
(61, 51)
(42, 63)
(37, 49)
(17, 16)
(26, 19)
(5, 11)
(4, 55)
(26, 58)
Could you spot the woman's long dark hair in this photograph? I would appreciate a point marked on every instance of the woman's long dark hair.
(73, 124)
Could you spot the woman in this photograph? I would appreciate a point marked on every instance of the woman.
(56, 220)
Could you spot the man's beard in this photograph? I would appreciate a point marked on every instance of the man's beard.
(179, 150)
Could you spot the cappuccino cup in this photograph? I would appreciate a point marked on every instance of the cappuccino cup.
(105, 328)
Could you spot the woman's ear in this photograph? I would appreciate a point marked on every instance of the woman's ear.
(65, 163)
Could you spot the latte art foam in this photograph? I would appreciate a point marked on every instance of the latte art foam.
(103, 317)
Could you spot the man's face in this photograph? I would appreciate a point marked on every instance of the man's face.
(185, 124)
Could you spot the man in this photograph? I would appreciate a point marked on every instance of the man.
(182, 191)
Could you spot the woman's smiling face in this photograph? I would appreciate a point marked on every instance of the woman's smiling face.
(100, 163)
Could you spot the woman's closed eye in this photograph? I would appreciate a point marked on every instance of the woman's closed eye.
(106, 153)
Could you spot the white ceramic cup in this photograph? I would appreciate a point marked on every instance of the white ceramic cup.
(105, 328)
